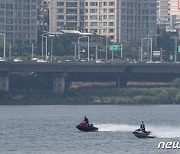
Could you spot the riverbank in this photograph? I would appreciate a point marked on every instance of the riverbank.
(93, 95)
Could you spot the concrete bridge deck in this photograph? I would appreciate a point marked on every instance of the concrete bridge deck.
(87, 71)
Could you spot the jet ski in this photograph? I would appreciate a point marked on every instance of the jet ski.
(82, 126)
(143, 134)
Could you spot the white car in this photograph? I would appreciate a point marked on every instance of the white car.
(99, 61)
(17, 60)
(41, 60)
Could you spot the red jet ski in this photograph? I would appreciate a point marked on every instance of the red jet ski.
(82, 126)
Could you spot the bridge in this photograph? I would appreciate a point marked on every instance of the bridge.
(120, 73)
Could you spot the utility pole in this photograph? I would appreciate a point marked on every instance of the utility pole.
(96, 52)
(121, 51)
(139, 59)
(10, 51)
(175, 49)
(32, 51)
(106, 46)
(112, 56)
(75, 52)
(161, 52)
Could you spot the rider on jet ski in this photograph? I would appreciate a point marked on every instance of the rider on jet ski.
(142, 126)
(86, 120)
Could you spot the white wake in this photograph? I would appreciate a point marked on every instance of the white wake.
(158, 131)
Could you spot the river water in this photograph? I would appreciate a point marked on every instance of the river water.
(51, 129)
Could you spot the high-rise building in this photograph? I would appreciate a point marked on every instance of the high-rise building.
(162, 11)
(18, 20)
(124, 21)
(169, 14)
(137, 19)
(66, 14)
(43, 15)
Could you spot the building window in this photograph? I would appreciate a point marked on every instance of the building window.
(9, 28)
(105, 10)
(60, 3)
(105, 3)
(111, 23)
(26, 14)
(9, 13)
(71, 4)
(104, 23)
(93, 24)
(60, 10)
(60, 17)
(9, 20)
(9, 6)
(130, 4)
(94, 17)
(111, 3)
(26, 7)
(33, 7)
(100, 4)
(71, 11)
(111, 17)
(111, 10)
(129, 18)
(26, 1)
(93, 4)
(60, 23)
(2, 6)
(111, 30)
(123, 3)
(93, 11)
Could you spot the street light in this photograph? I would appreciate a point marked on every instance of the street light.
(79, 46)
(175, 49)
(43, 36)
(146, 38)
(4, 35)
(52, 36)
(106, 46)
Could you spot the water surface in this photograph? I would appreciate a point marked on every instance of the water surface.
(51, 129)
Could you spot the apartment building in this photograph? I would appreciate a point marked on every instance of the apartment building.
(169, 14)
(66, 14)
(43, 15)
(123, 21)
(18, 20)
(101, 18)
(162, 11)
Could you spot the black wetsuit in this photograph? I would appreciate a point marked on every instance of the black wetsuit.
(86, 120)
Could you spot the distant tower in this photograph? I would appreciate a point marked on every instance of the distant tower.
(18, 20)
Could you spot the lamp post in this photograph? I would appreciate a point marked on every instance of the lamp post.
(4, 35)
(141, 56)
(51, 45)
(106, 46)
(43, 36)
(171, 46)
(32, 51)
(150, 50)
(79, 46)
(175, 49)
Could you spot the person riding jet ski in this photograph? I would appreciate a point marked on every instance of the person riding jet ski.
(142, 127)
(86, 121)
(85, 126)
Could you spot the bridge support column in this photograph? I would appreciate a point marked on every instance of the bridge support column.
(59, 85)
(4, 83)
(121, 82)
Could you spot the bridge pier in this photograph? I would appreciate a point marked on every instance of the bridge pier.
(4, 82)
(121, 82)
(59, 85)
